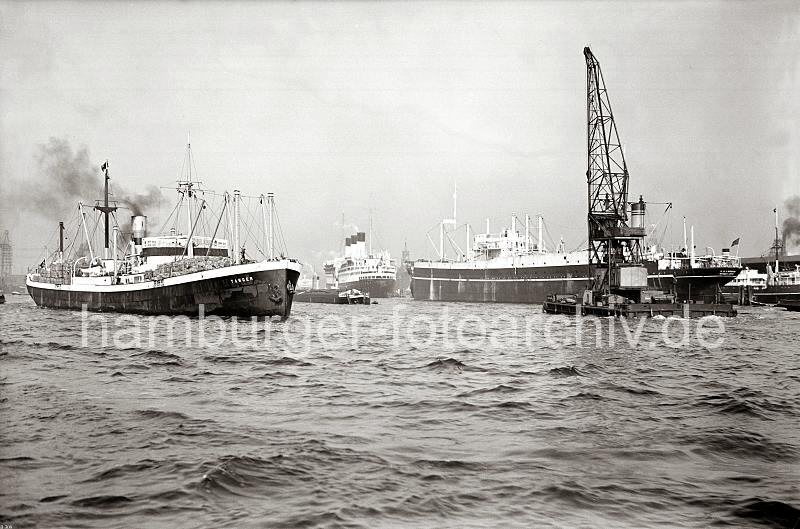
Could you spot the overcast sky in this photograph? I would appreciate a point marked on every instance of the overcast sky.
(343, 107)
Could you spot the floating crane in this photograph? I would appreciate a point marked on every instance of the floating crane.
(617, 273)
(615, 248)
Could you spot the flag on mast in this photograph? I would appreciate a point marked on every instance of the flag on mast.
(735, 242)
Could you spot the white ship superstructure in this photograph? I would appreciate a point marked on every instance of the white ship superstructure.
(372, 273)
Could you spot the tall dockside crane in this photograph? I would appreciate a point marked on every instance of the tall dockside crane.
(615, 248)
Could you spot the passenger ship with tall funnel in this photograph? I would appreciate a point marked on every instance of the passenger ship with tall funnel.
(361, 269)
(226, 271)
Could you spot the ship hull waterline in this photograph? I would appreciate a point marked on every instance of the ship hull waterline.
(243, 291)
(534, 285)
(376, 288)
(506, 285)
(773, 295)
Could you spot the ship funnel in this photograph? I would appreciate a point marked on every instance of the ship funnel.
(138, 231)
(637, 213)
(347, 248)
(361, 244)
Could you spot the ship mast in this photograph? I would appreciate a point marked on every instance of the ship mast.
(539, 243)
(777, 246)
(237, 198)
(61, 242)
(451, 222)
(268, 216)
(685, 240)
(263, 201)
(105, 208)
(188, 186)
(185, 187)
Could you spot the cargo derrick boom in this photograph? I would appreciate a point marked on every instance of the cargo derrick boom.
(615, 249)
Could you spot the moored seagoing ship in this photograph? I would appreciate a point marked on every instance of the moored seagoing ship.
(361, 269)
(175, 272)
(690, 277)
(515, 267)
(504, 267)
(771, 281)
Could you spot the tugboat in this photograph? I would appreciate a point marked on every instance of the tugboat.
(352, 297)
(170, 273)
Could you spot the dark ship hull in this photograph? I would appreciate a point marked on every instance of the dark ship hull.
(497, 285)
(318, 295)
(699, 285)
(792, 305)
(262, 293)
(331, 296)
(775, 294)
(376, 288)
(535, 284)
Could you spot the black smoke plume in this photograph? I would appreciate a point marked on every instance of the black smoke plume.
(139, 203)
(791, 224)
(63, 177)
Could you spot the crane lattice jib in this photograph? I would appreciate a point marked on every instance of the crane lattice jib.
(607, 172)
(615, 248)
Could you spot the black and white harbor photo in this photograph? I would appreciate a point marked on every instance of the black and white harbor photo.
(399, 264)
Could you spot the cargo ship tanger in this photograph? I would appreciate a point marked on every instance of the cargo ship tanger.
(170, 273)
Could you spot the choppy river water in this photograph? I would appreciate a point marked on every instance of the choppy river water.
(401, 414)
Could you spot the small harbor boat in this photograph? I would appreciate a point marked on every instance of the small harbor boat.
(332, 296)
(352, 297)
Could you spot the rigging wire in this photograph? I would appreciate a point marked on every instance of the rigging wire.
(581, 246)
(177, 205)
(67, 226)
(249, 232)
(284, 248)
(549, 235)
(74, 241)
(45, 253)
